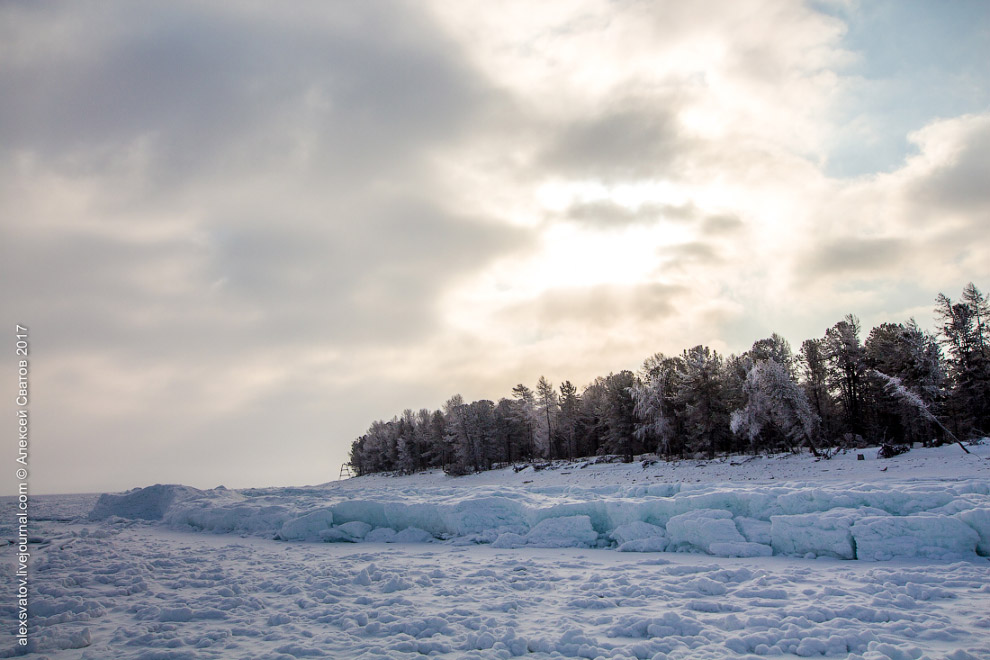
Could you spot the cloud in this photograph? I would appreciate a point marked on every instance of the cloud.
(883, 246)
(622, 144)
(692, 254)
(956, 154)
(852, 254)
(721, 224)
(600, 306)
(216, 205)
(236, 227)
(607, 213)
(285, 160)
(216, 89)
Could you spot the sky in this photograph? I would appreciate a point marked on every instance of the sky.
(240, 232)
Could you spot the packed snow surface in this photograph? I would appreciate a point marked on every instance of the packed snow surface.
(700, 560)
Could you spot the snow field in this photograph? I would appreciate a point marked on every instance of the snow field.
(897, 519)
(506, 564)
(138, 592)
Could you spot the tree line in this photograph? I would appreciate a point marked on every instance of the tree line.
(901, 384)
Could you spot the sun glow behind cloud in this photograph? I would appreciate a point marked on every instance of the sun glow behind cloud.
(567, 257)
(671, 117)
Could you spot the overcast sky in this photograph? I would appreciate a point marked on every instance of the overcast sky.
(240, 232)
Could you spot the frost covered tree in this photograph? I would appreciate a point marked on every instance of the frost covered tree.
(527, 414)
(979, 306)
(570, 410)
(472, 434)
(846, 360)
(897, 389)
(774, 348)
(359, 457)
(480, 435)
(592, 425)
(812, 366)
(425, 442)
(913, 357)
(511, 434)
(438, 440)
(454, 435)
(734, 370)
(620, 420)
(700, 392)
(896, 386)
(546, 398)
(966, 335)
(377, 450)
(651, 405)
(776, 408)
(407, 449)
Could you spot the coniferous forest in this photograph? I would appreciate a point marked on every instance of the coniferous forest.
(895, 385)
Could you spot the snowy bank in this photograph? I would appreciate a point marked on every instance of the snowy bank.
(897, 519)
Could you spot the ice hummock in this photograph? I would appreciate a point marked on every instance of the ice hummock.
(889, 519)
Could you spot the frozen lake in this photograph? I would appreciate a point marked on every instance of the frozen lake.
(139, 588)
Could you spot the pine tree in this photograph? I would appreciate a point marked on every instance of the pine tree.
(620, 419)
(700, 392)
(813, 369)
(511, 435)
(359, 458)
(438, 435)
(455, 436)
(421, 434)
(592, 424)
(897, 384)
(478, 434)
(650, 399)
(570, 404)
(527, 415)
(547, 399)
(979, 307)
(913, 358)
(774, 348)
(845, 357)
(407, 452)
(964, 332)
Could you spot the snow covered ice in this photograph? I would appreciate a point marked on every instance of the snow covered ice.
(714, 561)
(622, 506)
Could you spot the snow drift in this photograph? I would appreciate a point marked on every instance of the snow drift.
(923, 519)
